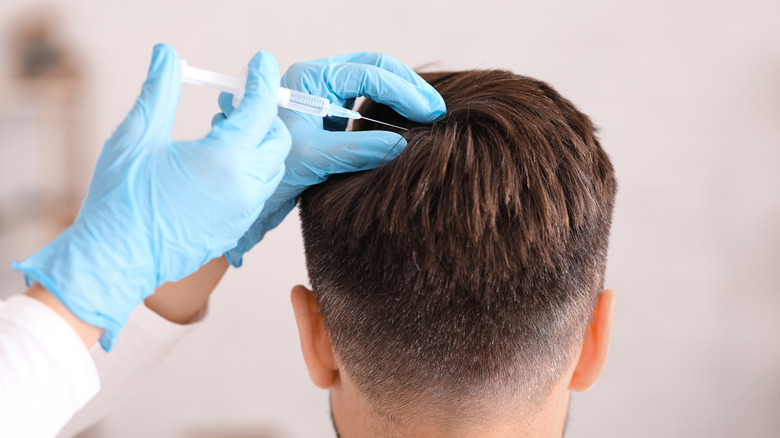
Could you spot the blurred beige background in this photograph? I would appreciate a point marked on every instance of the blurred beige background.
(687, 95)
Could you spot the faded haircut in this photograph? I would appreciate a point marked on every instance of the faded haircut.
(466, 270)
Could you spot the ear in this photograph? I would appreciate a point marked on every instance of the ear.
(595, 344)
(315, 343)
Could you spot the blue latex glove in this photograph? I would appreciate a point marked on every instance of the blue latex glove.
(158, 209)
(318, 153)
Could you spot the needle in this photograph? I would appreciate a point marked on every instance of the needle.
(286, 98)
(383, 123)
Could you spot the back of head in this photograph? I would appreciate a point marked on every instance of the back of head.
(462, 274)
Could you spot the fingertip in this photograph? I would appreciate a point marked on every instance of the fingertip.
(438, 114)
(163, 56)
(382, 145)
(436, 105)
(397, 144)
(163, 48)
(432, 108)
(263, 58)
(263, 70)
(439, 107)
(225, 102)
(218, 117)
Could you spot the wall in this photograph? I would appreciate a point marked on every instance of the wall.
(687, 95)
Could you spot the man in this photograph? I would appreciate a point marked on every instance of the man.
(458, 290)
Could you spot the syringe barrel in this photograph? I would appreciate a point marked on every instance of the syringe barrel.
(291, 99)
(307, 103)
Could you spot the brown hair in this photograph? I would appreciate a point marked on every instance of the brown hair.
(469, 266)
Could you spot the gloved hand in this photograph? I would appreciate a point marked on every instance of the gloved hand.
(318, 153)
(158, 209)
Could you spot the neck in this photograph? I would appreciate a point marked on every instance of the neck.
(550, 421)
(353, 418)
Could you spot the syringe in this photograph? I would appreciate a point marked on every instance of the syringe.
(290, 99)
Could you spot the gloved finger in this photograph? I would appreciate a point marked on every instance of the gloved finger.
(250, 122)
(266, 161)
(218, 117)
(160, 93)
(383, 61)
(276, 145)
(419, 103)
(265, 164)
(225, 101)
(356, 151)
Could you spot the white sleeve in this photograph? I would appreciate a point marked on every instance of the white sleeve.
(46, 374)
(141, 346)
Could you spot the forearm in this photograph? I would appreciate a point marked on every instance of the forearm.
(89, 334)
(179, 302)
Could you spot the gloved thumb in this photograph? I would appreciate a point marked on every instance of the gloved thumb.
(251, 121)
(156, 106)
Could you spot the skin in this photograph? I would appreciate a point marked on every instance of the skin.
(352, 416)
(177, 302)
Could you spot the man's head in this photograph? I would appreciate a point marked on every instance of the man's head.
(458, 287)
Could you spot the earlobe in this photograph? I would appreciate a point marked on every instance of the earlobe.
(315, 343)
(595, 344)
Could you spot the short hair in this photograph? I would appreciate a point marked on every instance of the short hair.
(468, 267)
